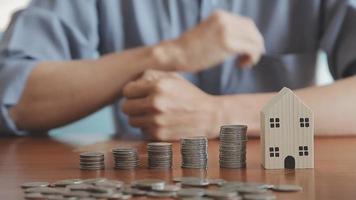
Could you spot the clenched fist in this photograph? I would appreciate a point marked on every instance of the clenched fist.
(219, 36)
(167, 107)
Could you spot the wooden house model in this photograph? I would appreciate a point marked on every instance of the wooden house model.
(287, 132)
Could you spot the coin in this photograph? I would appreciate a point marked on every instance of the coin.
(156, 194)
(250, 189)
(159, 155)
(35, 196)
(232, 148)
(63, 183)
(149, 184)
(125, 158)
(194, 152)
(196, 182)
(92, 161)
(287, 188)
(216, 181)
(191, 192)
(43, 190)
(34, 184)
(218, 194)
(110, 184)
(266, 196)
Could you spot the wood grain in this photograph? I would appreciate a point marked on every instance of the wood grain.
(32, 159)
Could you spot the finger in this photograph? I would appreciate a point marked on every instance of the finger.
(138, 89)
(140, 106)
(142, 121)
(245, 61)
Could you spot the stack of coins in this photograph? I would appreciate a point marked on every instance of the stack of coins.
(233, 141)
(92, 161)
(194, 152)
(125, 158)
(159, 155)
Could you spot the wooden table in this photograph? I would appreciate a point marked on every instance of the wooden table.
(32, 159)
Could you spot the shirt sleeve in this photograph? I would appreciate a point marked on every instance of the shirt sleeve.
(338, 36)
(45, 30)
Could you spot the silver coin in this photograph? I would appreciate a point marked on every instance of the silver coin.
(65, 182)
(91, 154)
(94, 180)
(287, 188)
(265, 196)
(79, 187)
(195, 182)
(43, 190)
(77, 194)
(167, 188)
(250, 190)
(218, 194)
(149, 183)
(216, 181)
(156, 194)
(35, 184)
(35, 196)
(110, 184)
(134, 191)
(191, 192)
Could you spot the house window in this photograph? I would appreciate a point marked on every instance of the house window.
(304, 122)
(303, 151)
(274, 122)
(274, 152)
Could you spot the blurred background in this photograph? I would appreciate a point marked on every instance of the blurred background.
(96, 127)
(100, 126)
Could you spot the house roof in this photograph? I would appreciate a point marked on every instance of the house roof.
(284, 91)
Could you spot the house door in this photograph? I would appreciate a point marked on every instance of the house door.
(289, 162)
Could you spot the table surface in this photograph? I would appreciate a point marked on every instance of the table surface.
(43, 159)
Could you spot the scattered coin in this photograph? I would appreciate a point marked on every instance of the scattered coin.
(63, 183)
(35, 184)
(233, 141)
(134, 191)
(77, 194)
(156, 194)
(218, 194)
(250, 190)
(191, 192)
(167, 188)
(110, 184)
(266, 196)
(43, 190)
(80, 187)
(195, 182)
(287, 188)
(34, 196)
(102, 188)
(216, 181)
(196, 198)
(148, 184)
(94, 180)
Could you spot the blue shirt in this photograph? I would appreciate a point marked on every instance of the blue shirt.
(294, 31)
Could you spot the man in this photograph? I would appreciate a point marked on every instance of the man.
(51, 74)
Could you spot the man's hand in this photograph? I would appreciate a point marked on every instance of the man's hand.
(167, 107)
(219, 36)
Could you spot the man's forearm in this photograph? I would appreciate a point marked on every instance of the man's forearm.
(60, 92)
(333, 105)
